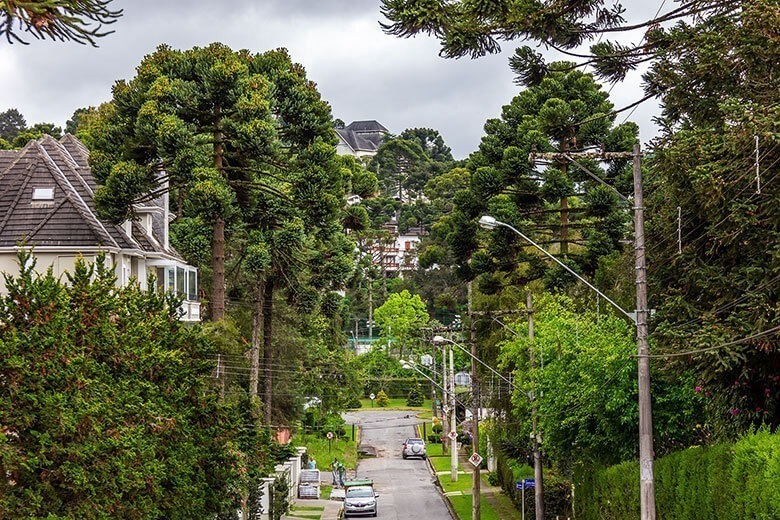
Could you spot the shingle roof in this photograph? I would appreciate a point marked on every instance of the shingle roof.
(363, 136)
(69, 219)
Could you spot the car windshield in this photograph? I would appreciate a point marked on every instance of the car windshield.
(414, 441)
(360, 492)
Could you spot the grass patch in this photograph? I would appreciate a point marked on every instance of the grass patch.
(343, 448)
(434, 450)
(440, 463)
(304, 515)
(462, 506)
(307, 508)
(396, 403)
(463, 483)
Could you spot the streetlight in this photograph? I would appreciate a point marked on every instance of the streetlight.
(438, 340)
(646, 478)
(489, 222)
(453, 452)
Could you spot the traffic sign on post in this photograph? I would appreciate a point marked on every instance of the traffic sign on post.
(453, 435)
(475, 459)
(329, 435)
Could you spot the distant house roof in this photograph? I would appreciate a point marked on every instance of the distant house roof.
(363, 136)
(46, 200)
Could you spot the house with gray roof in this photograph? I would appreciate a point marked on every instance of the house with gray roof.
(360, 138)
(47, 204)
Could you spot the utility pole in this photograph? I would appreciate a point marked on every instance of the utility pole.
(444, 401)
(646, 478)
(538, 476)
(475, 481)
(453, 421)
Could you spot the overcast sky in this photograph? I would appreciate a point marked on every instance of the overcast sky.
(360, 71)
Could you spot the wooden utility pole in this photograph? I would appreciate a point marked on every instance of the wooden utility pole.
(475, 481)
(538, 476)
(646, 478)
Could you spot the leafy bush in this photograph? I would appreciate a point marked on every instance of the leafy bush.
(722, 481)
(381, 399)
(415, 398)
(492, 478)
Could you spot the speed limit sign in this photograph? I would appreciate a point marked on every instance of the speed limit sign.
(329, 435)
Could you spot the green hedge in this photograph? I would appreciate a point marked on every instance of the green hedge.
(397, 386)
(557, 491)
(740, 480)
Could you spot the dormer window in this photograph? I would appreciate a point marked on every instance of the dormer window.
(43, 194)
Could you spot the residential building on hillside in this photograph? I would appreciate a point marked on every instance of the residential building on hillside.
(397, 251)
(47, 205)
(360, 138)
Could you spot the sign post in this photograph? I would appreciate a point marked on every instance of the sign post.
(372, 397)
(329, 435)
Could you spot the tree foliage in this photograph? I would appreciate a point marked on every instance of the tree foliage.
(108, 405)
(80, 21)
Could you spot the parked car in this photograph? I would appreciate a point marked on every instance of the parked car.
(413, 447)
(359, 498)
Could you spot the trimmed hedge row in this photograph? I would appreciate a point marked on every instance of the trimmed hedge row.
(557, 492)
(740, 480)
(397, 386)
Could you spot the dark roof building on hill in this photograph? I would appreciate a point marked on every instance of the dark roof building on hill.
(360, 138)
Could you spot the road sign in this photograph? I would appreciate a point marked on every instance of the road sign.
(371, 396)
(446, 409)
(475, 459)
(329, 435)
(453, 435)
(529, 483)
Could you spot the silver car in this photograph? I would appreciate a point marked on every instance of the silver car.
(360, 500)
(413, 447)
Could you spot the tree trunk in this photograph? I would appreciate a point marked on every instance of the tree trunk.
(268, 310)
(257, 336)
(218, 268)
(564, 226)
(218, 240)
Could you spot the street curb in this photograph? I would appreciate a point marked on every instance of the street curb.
(435, 476)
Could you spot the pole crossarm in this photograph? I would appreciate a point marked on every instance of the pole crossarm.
(487, 221)
(412, 365)
(552, 156)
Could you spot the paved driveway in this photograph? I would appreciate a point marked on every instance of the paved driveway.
(406, 487)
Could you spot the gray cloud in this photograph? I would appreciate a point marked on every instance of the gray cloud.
(362, 72)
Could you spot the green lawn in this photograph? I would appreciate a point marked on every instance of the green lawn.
(462, 506)
(463, 483)
(440, 463)
(307, 512)
(396, 403)
(317, 446)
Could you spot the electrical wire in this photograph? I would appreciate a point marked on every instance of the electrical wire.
(708, 349)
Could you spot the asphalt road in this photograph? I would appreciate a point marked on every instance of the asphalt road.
(406, 487)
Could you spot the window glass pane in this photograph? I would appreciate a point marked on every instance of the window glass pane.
(193, 286)
(160, 274)
(180, 280)
(170, 279)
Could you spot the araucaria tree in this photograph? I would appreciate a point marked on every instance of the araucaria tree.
(80, 21)
(561, 205)
(107, 404)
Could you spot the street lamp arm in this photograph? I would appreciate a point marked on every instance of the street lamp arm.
(410, 364)
(490, 223)
(439, 339)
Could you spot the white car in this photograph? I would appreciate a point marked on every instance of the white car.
(360, 500)
(413, 447)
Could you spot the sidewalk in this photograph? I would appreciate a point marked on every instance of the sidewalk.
(308, 508)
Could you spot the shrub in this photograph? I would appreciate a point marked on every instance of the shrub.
(415, 398)
(722, 481)
(381, 399)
